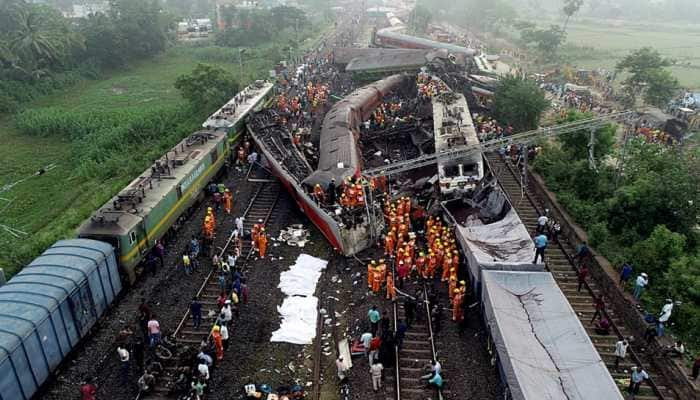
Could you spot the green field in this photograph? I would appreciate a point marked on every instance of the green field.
(50, 206)
(610, 41)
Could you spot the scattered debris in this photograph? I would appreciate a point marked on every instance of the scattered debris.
(295, 235)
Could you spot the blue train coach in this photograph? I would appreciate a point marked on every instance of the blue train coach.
(48, 307)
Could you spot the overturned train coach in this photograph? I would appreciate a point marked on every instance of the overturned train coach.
(339, 158)
(389, 37)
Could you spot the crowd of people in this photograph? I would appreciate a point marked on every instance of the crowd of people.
(429, 87)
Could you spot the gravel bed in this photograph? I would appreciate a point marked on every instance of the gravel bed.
(168, 293)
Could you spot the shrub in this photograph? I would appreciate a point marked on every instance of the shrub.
(598, 234)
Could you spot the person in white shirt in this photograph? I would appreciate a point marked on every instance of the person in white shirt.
(664, 317)
(666, 311)
(677, 350)
(124, 360)
(376, 372)
(342, 369)
(435, 368)
(226, 312)
(203, 370)
(239, 225)
(366, 339)
(620, 351)
(640, 284)
(542, 223)
(224, 336)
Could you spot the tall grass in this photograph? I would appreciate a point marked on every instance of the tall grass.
(107, 144)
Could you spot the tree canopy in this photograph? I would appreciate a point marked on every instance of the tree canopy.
(207, 87)
(648, 77)
(36, 39)
(570, 8)
(546, 41)
(576, 144)
(255, 27)
(644, 211)
(519, 103)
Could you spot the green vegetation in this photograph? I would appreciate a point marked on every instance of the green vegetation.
(100, 135)
(207, 87)
(546, 41)
(645, 213)
(570, 8)
(519, 103)
(599, 44)
(249, 28)
(648, 77)
(91, 137)
(40, 51)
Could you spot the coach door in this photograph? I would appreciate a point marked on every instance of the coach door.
(83, 309)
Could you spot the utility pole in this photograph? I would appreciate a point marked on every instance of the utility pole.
(591, 146)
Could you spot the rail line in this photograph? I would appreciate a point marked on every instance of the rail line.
(417, 352)
(259, 210)
(559, 261)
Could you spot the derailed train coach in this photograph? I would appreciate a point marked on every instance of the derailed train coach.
(541, 348)
(389, 37)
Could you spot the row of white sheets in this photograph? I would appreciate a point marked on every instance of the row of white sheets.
(299, 310)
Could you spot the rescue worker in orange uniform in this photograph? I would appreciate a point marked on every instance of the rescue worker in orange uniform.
(457, 313)
(218, 342)
(446, 267)
(390, 288)
(382, 269)
(420, 265)
(210, 213)
(452, 288)
(207, 228)
(370, 273)
(377, 280)
(432, 265)
(319, 194)
(389, 245)
(254, 233)
(228, 201)
(262, 243)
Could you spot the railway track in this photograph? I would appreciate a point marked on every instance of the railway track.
(558, 260)
(418, 350)
(259, 210)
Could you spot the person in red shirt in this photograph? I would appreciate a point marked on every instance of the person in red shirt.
(88, 391)
(374, 345)
(582, 274)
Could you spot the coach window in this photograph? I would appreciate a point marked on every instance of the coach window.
(179, 191)
(214, 155)
(132, 237)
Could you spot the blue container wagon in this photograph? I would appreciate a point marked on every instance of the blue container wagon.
(47, 308)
